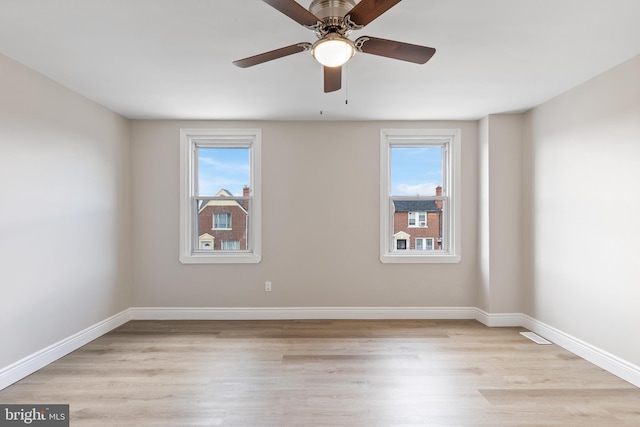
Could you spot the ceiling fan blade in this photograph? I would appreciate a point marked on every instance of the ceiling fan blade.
(368, 10)
(271, 55)
(395, 50)
(294, 11)
(332, 79)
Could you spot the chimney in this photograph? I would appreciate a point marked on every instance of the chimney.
(245, 193)
(439, 193)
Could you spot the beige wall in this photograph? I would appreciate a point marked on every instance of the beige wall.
(581, 205)
(499, 213)
(321, 189)
(64, 220)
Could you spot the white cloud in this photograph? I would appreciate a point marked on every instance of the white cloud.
(225, 167)
(424, 189)
(210, 187)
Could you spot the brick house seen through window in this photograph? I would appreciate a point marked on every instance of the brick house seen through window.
(417, 224)
(223, 224)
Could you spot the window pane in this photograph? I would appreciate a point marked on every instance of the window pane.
(222, 169)
(416, 171)
(223, 224)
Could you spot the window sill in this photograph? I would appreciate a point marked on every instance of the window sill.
(419, 258)
(220, 258)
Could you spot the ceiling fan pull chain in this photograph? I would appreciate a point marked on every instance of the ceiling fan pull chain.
(346, 84)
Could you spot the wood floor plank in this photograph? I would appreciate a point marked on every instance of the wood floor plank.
(327, 373)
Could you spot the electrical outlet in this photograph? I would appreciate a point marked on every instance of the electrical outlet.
(267, 286)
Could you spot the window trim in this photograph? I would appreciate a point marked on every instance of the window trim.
(251, 138)
(452, 176)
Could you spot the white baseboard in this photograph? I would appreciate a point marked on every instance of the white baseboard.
(30, 364)
(499, 320)
(303, 313)
(300, 313)
(605, 360)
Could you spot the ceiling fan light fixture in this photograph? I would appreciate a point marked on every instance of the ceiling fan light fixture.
(333, 50)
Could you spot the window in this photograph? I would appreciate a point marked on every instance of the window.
(220, 201)
(231, 245)
(424, 244)
(222, 220)
(420, 192)
(417, 219)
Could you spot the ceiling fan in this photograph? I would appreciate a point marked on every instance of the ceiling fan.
(332, 21)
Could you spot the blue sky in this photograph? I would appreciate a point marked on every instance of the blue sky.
(415, 170)
(226, 168)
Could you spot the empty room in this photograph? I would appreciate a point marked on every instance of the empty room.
(319, 213)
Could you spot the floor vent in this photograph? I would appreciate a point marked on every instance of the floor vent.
(535, 338)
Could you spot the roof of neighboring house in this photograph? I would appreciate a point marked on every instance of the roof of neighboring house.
(220, 201)
(416, 205)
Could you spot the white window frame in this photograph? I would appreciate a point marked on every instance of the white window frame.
(451, 194)
(219, 138)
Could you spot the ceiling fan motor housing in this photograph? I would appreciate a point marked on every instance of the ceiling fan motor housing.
(332, 8)
(332, 12)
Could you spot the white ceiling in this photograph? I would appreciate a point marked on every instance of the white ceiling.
(172, 59)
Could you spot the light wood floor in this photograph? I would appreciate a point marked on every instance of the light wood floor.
(327, 373)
